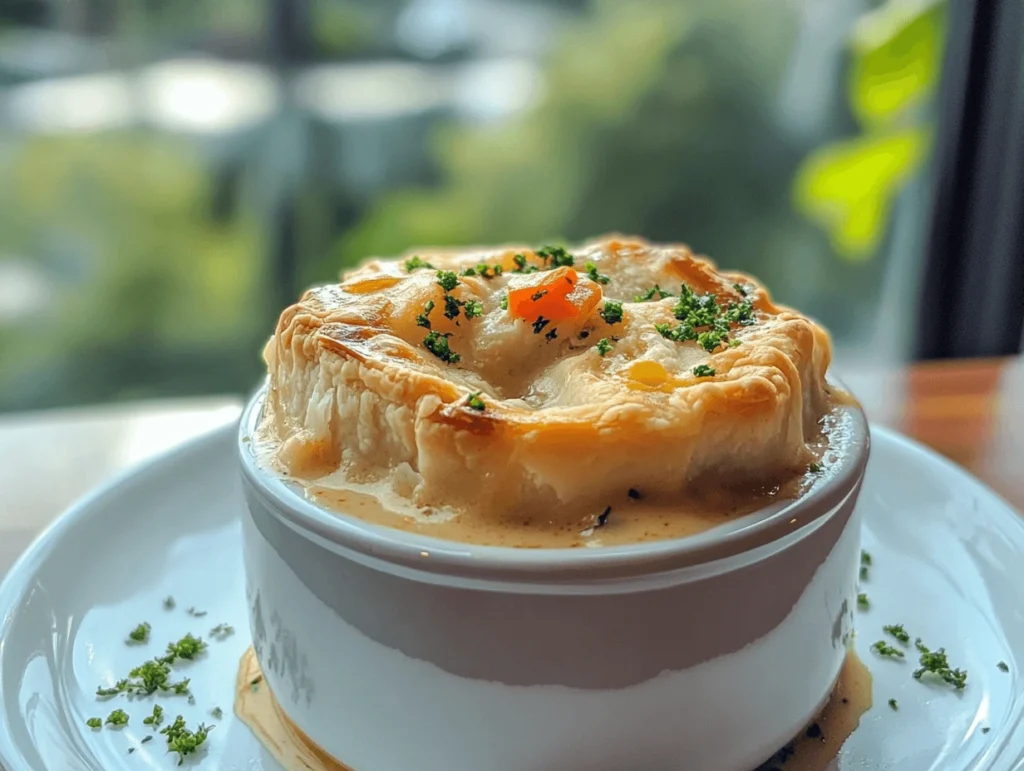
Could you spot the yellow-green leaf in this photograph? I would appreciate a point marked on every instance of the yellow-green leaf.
(897, 57)
(848, 187)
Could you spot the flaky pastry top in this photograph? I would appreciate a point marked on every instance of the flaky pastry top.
(537, 381)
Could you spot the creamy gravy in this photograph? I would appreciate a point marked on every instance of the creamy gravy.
(816, 746)
(812, 750)
(628, 521)
(631, 518)
(256, 706)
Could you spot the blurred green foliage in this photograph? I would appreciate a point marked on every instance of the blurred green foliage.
(149, 293)
(643, 104)
(657, 118)
(848, 187)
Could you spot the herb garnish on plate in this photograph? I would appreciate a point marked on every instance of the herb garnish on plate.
(183, 741)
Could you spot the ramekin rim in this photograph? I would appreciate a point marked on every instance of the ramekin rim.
(419, 553)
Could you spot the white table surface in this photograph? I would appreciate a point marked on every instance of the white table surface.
(52, 458)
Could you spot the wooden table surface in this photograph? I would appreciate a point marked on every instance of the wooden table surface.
(970, 411)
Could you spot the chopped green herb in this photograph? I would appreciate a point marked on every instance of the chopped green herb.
(865, 558)
(183, 741)
(217, 712)
(696, 310)
(539, 324)
(649, 294)
(188, 647)
(611, 312)
(147, 738)
(593, 274)
(504, 302)
(703, 370)
(604, 345)
(131, 750)
(139, 634)
(117, 717)
(734, 343)
(483, 270)
(985, 730)
(474, 402)
(416, 262)
(740, 313)
(473, 308)
(556, 255)
(897, 631)
(893, 704)
(522, 266)
(710, 340)
(148, 677)
(882, 648)
(680, 333)
(862, 601)
(451, 307)
(1003, 666)
(192, 611)
(156, 718)
(703, 319)
(222, 631)
(120, 687)
(169, 603)
(94, 722)
(740, 288)
(863, 573)
(423, 319)
(936, 663)
(447, 279)
(437, 344)
(815, 468)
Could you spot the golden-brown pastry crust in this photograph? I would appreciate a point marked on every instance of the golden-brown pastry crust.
(352, 385)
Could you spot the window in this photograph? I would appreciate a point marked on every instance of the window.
(178, 171)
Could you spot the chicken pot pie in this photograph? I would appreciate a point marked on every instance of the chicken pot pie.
(508, 382)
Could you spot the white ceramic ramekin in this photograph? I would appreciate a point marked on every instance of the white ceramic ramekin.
(396, 652)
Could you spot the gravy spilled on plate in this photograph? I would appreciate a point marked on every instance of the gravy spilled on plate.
(812, 750)
(256, 706)
(815, 747)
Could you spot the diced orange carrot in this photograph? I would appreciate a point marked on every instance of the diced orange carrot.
(556, 295)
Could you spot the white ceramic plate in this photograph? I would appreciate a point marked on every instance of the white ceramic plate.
(948, 564)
